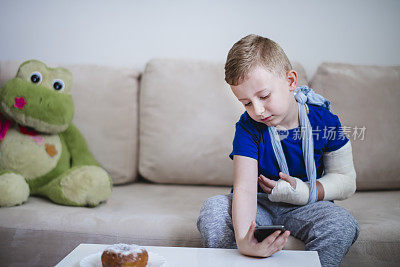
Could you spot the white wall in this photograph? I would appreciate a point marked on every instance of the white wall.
(125, 33)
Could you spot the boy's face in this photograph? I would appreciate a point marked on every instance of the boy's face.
(268, 98)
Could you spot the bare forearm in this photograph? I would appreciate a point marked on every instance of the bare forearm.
(244, 202)
(321, 192)
(244, 211)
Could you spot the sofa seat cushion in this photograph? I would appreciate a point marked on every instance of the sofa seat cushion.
(166, 215)
(140, 213)
(378, 214)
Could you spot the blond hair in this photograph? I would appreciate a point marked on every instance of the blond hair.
(251, 51)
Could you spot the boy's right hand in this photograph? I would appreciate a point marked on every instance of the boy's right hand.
(251, 247)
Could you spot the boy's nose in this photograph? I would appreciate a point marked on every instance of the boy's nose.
(259, 109)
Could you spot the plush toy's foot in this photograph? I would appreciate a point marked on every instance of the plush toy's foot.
(80, 186)
(13, 189)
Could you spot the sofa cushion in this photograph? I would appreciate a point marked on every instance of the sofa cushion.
(166, 215)
(42, 233)
(106, 106)
(187, 122)
(378, 216)
(367, 96)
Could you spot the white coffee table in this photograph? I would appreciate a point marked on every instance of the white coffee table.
(184, 256)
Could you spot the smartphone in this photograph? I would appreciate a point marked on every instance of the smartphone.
(262, 232)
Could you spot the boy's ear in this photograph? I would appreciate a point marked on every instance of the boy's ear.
(292, 79)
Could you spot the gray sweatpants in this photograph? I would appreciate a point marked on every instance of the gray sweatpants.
(322, 226)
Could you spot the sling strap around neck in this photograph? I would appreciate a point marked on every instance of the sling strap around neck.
(303, 95)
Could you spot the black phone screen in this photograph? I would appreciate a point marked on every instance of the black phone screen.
(262, 232)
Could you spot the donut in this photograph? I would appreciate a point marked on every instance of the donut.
(124, 255)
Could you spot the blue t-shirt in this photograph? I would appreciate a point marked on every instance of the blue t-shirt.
(252, 140)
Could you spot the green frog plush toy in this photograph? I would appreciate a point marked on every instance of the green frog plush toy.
(41, 152)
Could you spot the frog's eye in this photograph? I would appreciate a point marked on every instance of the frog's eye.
(36, 77)
(58, 85)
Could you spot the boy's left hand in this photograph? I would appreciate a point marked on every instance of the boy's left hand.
(267, 184)
(288, 189)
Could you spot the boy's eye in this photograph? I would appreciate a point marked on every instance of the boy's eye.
(262, 97)
(265, 97)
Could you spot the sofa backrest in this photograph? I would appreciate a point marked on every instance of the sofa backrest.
(187, 119)
(187, 122)
(106, 104)
(366, 99)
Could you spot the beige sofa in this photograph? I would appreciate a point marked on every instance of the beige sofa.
(165, 135)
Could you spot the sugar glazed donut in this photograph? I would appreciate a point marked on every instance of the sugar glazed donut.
(124, 255)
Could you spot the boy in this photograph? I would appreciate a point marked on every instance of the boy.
(298, 176)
